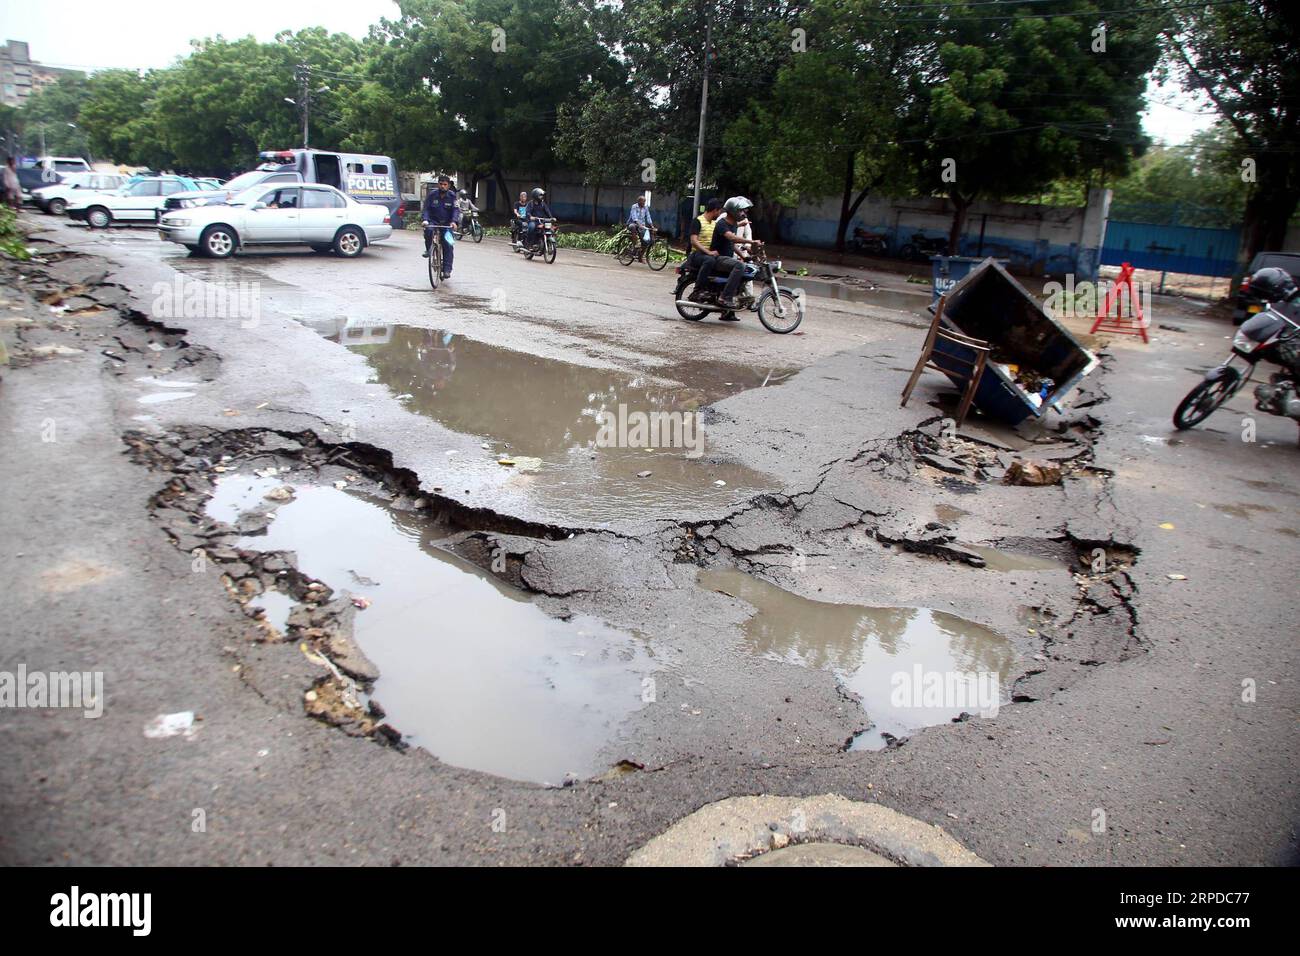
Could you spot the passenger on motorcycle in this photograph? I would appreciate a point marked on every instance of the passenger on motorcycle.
(537, 209)
(724, 242)
(440, 213)
(702, 234)
(639, 223)
(518, 216)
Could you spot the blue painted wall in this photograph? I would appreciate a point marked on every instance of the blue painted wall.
(1186, 249)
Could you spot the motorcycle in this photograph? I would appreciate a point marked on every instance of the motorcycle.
(469, 225)
(780, 310)
(1267, 336)
(922, 248)
(869, 243)
(544, 244)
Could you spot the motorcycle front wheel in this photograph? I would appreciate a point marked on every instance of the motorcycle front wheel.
(477, 230)
(780, 317)
(1201, 402)
(548, 252)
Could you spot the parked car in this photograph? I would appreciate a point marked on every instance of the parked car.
(54, 199)
(279, 214)
(369, 179)
(31, 178)
(1245, 304)
(141, 201)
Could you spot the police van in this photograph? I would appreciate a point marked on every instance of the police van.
(366, 178)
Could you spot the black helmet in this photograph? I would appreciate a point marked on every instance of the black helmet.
(539, 193)
(1272, 285)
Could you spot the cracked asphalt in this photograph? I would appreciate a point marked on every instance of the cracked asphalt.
(1129, 693)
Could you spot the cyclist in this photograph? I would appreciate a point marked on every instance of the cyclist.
(537, 209)
(639, 223)
(440, 212)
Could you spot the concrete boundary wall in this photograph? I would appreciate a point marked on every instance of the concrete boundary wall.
(1036, 239)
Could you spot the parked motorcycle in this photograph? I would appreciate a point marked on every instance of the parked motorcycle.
(544, 243)
(1267, 336)
(869, 243)
(470, 226)
(922, 247)
(780, 310)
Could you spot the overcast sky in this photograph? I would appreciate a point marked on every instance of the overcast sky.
(91, 34)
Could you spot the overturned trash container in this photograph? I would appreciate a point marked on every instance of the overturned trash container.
(1034, 361)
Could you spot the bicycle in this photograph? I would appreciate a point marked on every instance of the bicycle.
(656, 253)
(435, 259)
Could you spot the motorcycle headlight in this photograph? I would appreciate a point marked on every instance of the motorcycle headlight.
(775, 264)
(1243, 342)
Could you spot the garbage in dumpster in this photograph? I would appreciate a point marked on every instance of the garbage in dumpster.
(1035, 361)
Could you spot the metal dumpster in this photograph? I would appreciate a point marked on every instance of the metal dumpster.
(1035, 362)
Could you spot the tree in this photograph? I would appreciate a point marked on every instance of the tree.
(1245, 58)
(114, 116)
(1011, 101)
(830, 122)
(49, 118)
(500, 70)
(608, 135)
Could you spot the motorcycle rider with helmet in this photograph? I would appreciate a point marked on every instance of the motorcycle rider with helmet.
(537, 209)
(723, 246)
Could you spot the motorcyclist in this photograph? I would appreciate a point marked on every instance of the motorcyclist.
(439, 213)
(467, 207)
(639, 223)
(537, 210)
(724, 242)
(1276, 287)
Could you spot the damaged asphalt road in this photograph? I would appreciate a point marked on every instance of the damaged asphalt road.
(1126, 683)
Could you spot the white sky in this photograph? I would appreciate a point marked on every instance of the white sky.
(90, 34)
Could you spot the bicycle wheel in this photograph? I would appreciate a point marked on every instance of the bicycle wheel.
(656, 256)
(435, 263)
(624, 251)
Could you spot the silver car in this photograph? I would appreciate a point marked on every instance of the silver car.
(279, 214)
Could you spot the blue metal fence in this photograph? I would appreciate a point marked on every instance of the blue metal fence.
(1185, 249)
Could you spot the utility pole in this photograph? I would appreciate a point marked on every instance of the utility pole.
(304, 75)
(704, 109)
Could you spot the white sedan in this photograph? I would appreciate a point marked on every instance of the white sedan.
(279, 214)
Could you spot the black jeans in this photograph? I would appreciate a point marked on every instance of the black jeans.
(735, 276)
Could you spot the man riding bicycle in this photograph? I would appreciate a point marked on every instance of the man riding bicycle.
(440, 212)
(640, 224)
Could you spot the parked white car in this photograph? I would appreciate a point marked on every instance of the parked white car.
(279, 214)
(54, 199)
(142, 201)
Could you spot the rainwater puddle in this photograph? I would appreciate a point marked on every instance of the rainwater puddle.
(528, 406)
(470, 669)
(158, 398)
(996, 560)
(912, 667)
(275, 606)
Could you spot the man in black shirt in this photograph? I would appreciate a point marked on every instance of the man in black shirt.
(722, 247)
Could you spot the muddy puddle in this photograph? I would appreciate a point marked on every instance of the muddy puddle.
(470, 669)
(996, 559)
(911, 667)
(601, 453)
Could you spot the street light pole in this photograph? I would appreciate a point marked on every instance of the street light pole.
(704, 109)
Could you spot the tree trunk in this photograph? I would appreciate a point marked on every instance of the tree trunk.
(846, 214)
(961, 206)
(500, 177)
(1268, 211)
